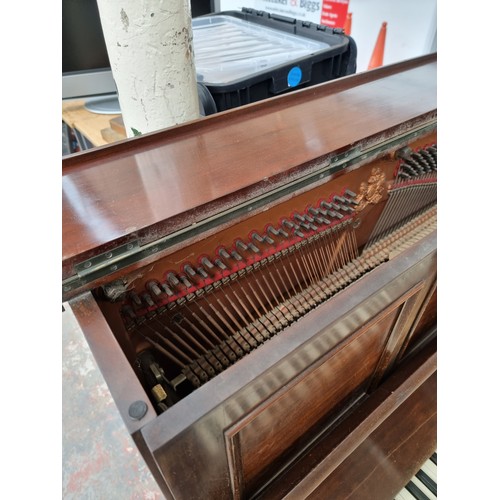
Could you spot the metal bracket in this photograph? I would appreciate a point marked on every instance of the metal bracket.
(106, 260)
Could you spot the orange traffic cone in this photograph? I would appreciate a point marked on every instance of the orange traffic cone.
(348, 23)
(378, 52)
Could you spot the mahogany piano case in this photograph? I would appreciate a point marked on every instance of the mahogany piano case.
(258, 288)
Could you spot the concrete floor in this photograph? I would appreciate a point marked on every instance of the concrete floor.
(100, 459)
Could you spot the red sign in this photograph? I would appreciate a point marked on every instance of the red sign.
(334, 13)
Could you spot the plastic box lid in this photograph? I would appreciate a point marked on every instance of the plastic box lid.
(227, 49)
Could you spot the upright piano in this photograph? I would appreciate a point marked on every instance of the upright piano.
(258, 289)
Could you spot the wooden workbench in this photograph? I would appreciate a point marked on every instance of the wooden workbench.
(96, 128)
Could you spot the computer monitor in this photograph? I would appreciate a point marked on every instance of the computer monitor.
(86, 71)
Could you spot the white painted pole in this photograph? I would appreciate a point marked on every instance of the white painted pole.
(150, 48)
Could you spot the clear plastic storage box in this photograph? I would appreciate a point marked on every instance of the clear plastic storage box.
(243, 57)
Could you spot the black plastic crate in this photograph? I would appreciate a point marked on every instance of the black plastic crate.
(327, 54)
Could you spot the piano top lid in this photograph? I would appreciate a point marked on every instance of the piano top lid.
(147, 187)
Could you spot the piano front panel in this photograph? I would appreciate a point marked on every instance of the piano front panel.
(271, 434)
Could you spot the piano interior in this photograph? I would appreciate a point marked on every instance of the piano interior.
(280, 343)
(190, 315)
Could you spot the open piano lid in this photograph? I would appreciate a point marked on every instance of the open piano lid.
(130, 202)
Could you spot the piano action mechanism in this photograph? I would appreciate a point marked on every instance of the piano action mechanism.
(259, 289)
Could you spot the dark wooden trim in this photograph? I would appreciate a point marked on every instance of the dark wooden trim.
(422, 310)
(124, 385)
(398, 333)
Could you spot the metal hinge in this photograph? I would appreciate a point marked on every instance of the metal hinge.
(107, 260)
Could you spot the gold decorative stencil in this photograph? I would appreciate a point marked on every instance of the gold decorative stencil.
(372, 191)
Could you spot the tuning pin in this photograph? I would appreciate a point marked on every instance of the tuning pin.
(236, 256)
(172, 279)
(206, 262)
(346, 208)
(167, 290)
(410, 171)
(262, 239)
(223, 253)
(147, 298)
(288, 224)
(220, 264)
(129, 312)
(322, 220)
(308, 226)
(153, 287)
(241, 245)
(253, 247)
(276, 232)
(352, 197)
(431, 163)
(189, 270)
(270, 229)
(185, 281)
(202, 272)
(416, 161)
(257, 238)
(136, 300)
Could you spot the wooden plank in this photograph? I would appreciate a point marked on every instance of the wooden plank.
(88, 123)
(149, 186)
(111, 135)
(118, 126)
(114, 366)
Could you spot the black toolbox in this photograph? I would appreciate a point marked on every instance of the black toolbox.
(249, 55)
